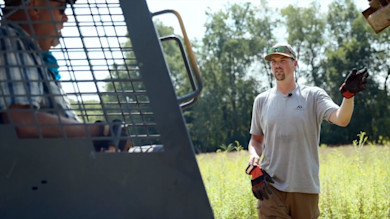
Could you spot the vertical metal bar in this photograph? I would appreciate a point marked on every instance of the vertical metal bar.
(155, 73)
(170, 122)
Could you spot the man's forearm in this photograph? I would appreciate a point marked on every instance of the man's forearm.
(255, 150)
(40, 124)
(343, 115)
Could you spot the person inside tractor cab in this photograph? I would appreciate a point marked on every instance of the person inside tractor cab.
(31, 97)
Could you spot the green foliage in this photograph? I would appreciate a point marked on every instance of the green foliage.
(351, 44)
(354, 183)
(362, 140)
(305, 31)
(234, 40)
(225, 148)
(227, 185)
(174, 60)
(230, 147)
(382, 141)
(230, 56)
(329, 44)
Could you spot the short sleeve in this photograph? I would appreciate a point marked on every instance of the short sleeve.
(325, 105)
(256, 128)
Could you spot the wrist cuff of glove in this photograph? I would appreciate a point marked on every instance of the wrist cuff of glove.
(347, 94)
(250, 168)
(256, 171)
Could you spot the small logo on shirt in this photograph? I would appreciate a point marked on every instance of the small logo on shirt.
(299, 107)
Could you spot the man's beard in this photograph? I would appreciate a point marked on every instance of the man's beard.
(280, 76)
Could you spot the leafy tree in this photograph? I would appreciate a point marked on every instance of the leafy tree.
(329, 49)
(233, 69)
(305, 27)
(350, 46)
(124, 87)
(235, 39)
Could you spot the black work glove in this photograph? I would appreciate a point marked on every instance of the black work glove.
(354, 82)
(115, 134)
(260, 180)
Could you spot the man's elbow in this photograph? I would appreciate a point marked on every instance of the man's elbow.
(339, 119)
(344, 123)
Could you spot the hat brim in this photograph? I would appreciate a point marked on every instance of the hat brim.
(268, 57)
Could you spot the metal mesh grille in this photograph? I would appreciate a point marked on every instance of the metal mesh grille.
(99, 72)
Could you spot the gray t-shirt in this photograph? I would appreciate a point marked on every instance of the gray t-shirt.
(291, 127)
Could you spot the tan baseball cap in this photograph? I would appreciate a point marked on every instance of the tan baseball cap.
(283, 49)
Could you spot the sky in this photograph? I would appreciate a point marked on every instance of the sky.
(193, 11)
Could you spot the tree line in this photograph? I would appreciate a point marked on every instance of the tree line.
(328, 45)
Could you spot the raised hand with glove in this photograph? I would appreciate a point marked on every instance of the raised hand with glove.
(354, 82)
(260, 180)
(115, 134)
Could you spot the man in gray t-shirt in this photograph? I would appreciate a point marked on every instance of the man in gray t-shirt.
(286, 123)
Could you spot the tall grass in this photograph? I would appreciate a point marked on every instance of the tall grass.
(355, 183)
(227, 185)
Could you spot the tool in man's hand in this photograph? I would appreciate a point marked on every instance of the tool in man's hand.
(260, 180)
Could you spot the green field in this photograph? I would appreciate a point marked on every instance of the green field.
(355, 183)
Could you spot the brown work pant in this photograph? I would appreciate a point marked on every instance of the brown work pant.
(289, 205)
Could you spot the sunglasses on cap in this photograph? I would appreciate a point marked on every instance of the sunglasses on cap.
(280, 49)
